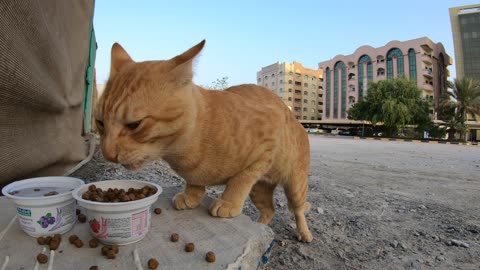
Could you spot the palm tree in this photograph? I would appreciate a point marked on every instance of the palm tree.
(466, 95)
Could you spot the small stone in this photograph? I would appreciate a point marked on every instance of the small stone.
(440, 258)
(459, 243)
(292, 225)
(283, 243)
(403, 246)
(320, 210)
(413, 210)
(416, 234)
(436, 238)
(281, 204)
(421, 206)
(448, 243)
(394, 244)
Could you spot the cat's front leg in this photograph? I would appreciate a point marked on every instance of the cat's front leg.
(238, 188)
(190, 198)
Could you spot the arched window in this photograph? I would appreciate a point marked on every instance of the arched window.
(327, 92)
(412, 64)
(340, 65)
(394, 53)
(361, 85)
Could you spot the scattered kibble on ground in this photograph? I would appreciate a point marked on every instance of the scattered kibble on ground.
(189, 247)
(174, 237)
(210, 257)
(152, 264)
(42, 258)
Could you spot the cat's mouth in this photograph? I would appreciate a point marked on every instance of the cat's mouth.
(133, 166)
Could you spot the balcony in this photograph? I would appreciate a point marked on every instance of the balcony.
(380, 64)
(427, 59)
(427, 72)
(428, 86)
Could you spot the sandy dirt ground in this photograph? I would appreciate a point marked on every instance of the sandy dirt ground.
(375, 205)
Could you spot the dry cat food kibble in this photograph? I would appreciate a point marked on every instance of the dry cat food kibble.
(93, 243)
(47, 240)
(189, 247)
(54, 244)
(117, 195)
(78, 243)
(110, 254)
(41, 240)
(82, 218)
(158, 211)
(58, 237)
(110, 251)
(93, 267)
(152, 264)
(72, 238)
(210, 257)
(174, 237)
(78, 211)
(42, 258)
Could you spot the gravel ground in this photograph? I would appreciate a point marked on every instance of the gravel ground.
(375, 205)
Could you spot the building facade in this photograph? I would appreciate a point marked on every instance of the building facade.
(300, 88)
(346, 77)
(465, 22)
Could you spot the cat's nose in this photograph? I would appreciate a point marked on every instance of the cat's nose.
(111, 156)
(110, 152)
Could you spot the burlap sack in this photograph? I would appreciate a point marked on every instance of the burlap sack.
(44, 46)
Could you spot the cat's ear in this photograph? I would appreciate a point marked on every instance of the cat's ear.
(189, 54)
(120, 59)
(183, 65)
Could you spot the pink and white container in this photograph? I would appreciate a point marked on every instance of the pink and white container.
(119, 223)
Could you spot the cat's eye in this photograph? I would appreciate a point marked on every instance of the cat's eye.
(133, 125)
(99, 123)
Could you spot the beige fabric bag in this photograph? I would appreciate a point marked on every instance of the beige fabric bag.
(44, 47)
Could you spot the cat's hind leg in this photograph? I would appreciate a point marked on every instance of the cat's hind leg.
(296, 192)
(262, 197)
(190, 198)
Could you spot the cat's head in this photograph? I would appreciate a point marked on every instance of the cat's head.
(146, 108)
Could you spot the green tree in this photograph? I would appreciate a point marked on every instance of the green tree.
(395, 103)
(218, 84)
(466, 95)
(446, 112)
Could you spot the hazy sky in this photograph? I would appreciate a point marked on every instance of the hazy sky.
(244, 36)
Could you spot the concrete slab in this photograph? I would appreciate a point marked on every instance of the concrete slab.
(238, 243)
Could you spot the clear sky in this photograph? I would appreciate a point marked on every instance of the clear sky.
(245, 35)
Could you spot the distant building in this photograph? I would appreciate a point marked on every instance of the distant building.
(346, 77)
(465, 22)
(300, 88)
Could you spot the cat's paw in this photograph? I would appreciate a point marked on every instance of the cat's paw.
(225, 209)
(182, 201)
(305, 236)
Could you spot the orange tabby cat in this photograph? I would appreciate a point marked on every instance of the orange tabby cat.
(244, 137)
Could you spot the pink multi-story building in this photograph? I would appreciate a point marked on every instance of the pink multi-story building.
(346, 77)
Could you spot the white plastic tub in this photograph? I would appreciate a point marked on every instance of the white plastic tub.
(40, 215)
(119, 223)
